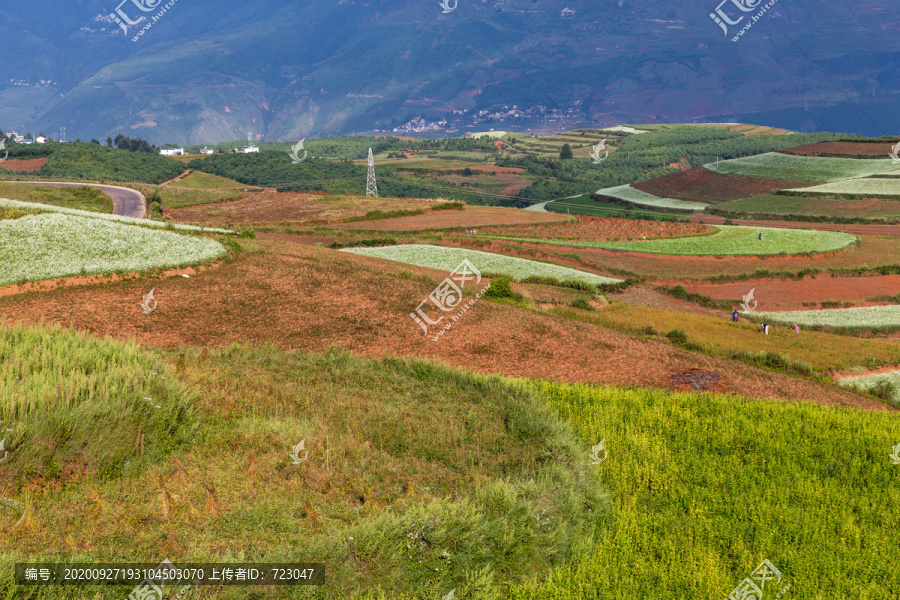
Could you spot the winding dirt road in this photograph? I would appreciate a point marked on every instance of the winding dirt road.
(126, 202)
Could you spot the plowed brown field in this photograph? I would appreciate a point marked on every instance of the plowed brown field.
(603, 228)
(790, 295)
(266, 208)
(703, 185)
(472, 216)
(307, 298)
(18, 165)
(846, 149)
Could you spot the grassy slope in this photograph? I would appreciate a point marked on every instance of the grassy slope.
(418, 479)
(412, 460)
(584, 205)
(206, 181)
(83, 198)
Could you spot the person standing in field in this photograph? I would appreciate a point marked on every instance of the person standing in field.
(796, 327)
(767, 328)
(760, 235)
(734, 316)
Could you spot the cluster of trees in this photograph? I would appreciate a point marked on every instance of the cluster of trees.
(275, 169)
(89, 161)
(130, 144)
(648, 155)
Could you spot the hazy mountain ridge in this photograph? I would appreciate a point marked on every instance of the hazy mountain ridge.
(206, 72)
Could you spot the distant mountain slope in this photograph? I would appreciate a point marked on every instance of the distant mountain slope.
(207, 72)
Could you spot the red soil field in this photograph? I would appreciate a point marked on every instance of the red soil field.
(17, 165)
(854, 229)
(775, 294)
(306, 299)
(702, 185)
(604, 228)
(472, 216)
(845, 149)
(292, 207)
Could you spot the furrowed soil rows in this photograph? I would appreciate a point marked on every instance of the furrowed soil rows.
(19, 165)
(841, 149)
(473, 216)
(602, 228)
(307, 298)
(702, 185)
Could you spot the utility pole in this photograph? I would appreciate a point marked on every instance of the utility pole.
(371, 186)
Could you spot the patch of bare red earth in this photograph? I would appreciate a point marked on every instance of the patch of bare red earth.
(702, 185)
(845, 149)
(603, 228)
(472, 216)
(776, 294)
(306, 298)
(292, 207)
(20, 165)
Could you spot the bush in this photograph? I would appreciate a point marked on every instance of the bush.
(677, 336)
(501, 289)
(884, 389)
(581, 303)
(647, 330)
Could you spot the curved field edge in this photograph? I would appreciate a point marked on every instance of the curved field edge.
(381, 504)
(776, 165)
(48, 208)
(448, 259)
(632, 196)
(50, 246)
(727, 241)
(860, 316)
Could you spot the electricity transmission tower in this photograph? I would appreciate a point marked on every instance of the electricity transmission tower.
(371, 186)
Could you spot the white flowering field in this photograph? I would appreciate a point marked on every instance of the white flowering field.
(803, 168)
(447, 259)
(866, 382)
(727, 241)
(881, 187)
(862, 316)
(48, 246)
(637, 197)
(5, 203)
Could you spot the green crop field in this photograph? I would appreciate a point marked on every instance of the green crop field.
(879, 187)
(814, 206)
(82, 198)
(728, 241)
(448, 259)
(890, 382)
(585, 205)
(640, 199)
(47, 246)
(446, 480)
(860, 316)
(206, 181)
(803, 168)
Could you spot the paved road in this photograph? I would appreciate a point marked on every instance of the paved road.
(126, 202)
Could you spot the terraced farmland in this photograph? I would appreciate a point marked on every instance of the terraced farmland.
(862, 316)
(815, 206)
(448, 259)
(803, 168)
(728, 241)
(630, 195)
(702, 185)
(48, 246)
(878, 187)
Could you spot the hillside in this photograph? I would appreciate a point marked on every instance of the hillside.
(292, 70)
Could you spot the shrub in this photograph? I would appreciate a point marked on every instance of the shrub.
(581, 303)
(677, 336)
(501, 289)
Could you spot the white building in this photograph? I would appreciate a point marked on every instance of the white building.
(172, 151)
(40, 139)
(251, 149)
(206, 150)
